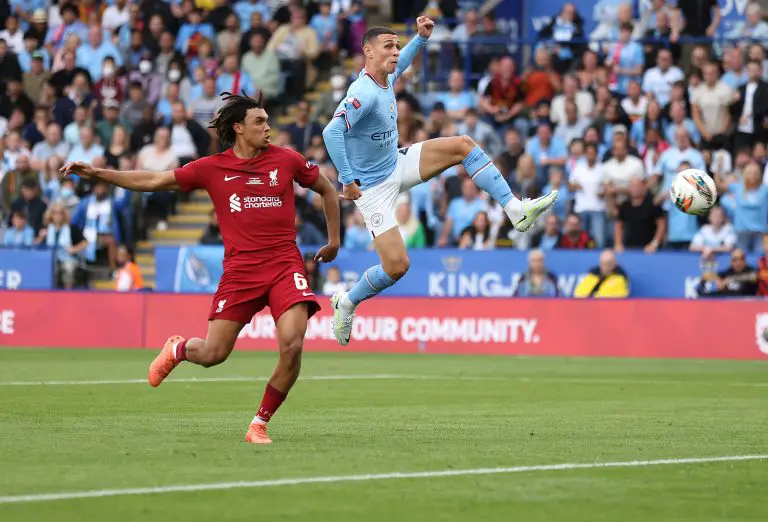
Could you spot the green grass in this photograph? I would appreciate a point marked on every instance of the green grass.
(476, 412)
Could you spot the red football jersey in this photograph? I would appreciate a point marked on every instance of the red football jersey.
(253, 198)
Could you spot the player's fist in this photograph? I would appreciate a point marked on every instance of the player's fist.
(351, 192)
(327, 253)
(425, 26)
(77, 168)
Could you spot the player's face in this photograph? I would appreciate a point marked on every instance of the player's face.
(384, 52)
(255, 129)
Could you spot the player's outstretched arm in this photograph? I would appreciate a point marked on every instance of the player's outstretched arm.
(333, 136)
(327, 191)
(411, 50)
(137, 180)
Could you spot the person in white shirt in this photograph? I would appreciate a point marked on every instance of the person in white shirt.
(635, 104)
(658, 81)
(618, 172)
(586, 182)
(709, 105)
(572, 126)
(116, 15)
(715, 237)
(13, 35)
(571, 92)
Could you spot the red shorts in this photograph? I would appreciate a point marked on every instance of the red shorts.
(247, 287)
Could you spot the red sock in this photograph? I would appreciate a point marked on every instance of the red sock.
(180, 351)
(272, 400)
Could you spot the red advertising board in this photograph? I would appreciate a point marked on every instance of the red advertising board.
(615, 328)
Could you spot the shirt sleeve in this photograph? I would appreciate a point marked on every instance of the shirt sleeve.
(189, 176)
(353, 108)
(305, 173)
(76, 234)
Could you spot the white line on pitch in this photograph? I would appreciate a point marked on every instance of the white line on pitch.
(362, 377)
(377, 376)
(364, 478)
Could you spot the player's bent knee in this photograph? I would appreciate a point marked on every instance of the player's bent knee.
(214, 354)
(290, 352)
(398, 267)
(466, 144)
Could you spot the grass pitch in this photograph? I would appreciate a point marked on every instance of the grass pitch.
(360, 415)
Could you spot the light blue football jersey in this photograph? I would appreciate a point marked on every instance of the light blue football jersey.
(370, 114)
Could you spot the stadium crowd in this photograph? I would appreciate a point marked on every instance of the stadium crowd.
(608, 118)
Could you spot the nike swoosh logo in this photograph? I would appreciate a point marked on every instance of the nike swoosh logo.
(227, 178)
(305, 294)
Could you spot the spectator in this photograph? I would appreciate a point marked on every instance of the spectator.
(458, 99)
(15, 98)
(635, 104)
(502, 100)
(35, 77)
(461, 213)
(716, 237)
(677, 114)
(557, 182)
(16, 177)
(296, 46)
(312, 268)
(192, 32)
(20, 234)
(87, 149)
(151, 81)
(70, 24)
(67, 196)
(232, 79)
(30, 203)
(53, 145)
(735, 72)
(482, 133)
(410, 228)
(304, 128)
(640, 222)
(546, 150)
(750, 207)
(132, 110)
(90, 56)
(750, 109)
(574, 237)
(158, 157)
(326, 24)
(67, 242)
(72, 131)
(762, 266)
(128, 277)
(542, 80)
(356, 236)
(98, 219)
(537, 281)
(263, 68)
(739, 280)
(333, 282)
(49, 178)
(608, 280)
(710, 107)
(478, 235)
(514, 150)
(752, 29)
(212, 234)
(564, 33)
(229, 37)
(694, 20)
(587, 184)
(188, 139)
(658, 81)
(204, 107)
(571, 127)
(618, 173)
(626, 60)
(110, 86)
(115, 15)
(307, 232)
(117, 148)
(669, 161)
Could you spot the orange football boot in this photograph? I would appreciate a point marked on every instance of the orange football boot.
(164, 363)
(257, 434)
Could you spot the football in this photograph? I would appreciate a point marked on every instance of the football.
(693, 191)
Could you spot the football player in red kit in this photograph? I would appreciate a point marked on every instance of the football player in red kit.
(251, 186)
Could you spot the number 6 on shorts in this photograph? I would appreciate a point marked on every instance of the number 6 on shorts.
(301, 281)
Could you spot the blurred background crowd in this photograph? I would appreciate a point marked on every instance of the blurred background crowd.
(607, 118)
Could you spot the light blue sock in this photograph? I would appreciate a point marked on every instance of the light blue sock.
(486, 176)
(374, 280)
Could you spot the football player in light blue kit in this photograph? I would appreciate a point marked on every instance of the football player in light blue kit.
(362, 141)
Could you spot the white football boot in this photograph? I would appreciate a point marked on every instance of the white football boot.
(343, 317)
(523, 219)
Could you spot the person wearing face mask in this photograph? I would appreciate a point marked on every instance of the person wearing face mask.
(67, 196)
(110, 86)
(151, 82)
(177, 75)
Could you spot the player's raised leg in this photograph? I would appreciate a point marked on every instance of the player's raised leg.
(213, 350)
(439, 154)
(394, 265)
(291, 328)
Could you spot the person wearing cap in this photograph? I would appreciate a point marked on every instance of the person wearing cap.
(38, 22)
(31, 44)
(35, 78)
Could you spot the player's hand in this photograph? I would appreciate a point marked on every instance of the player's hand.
(425, 26)
(351, 192)
(79, 169)
(328, 253)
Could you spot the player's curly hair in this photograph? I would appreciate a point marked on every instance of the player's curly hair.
(234, 111)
